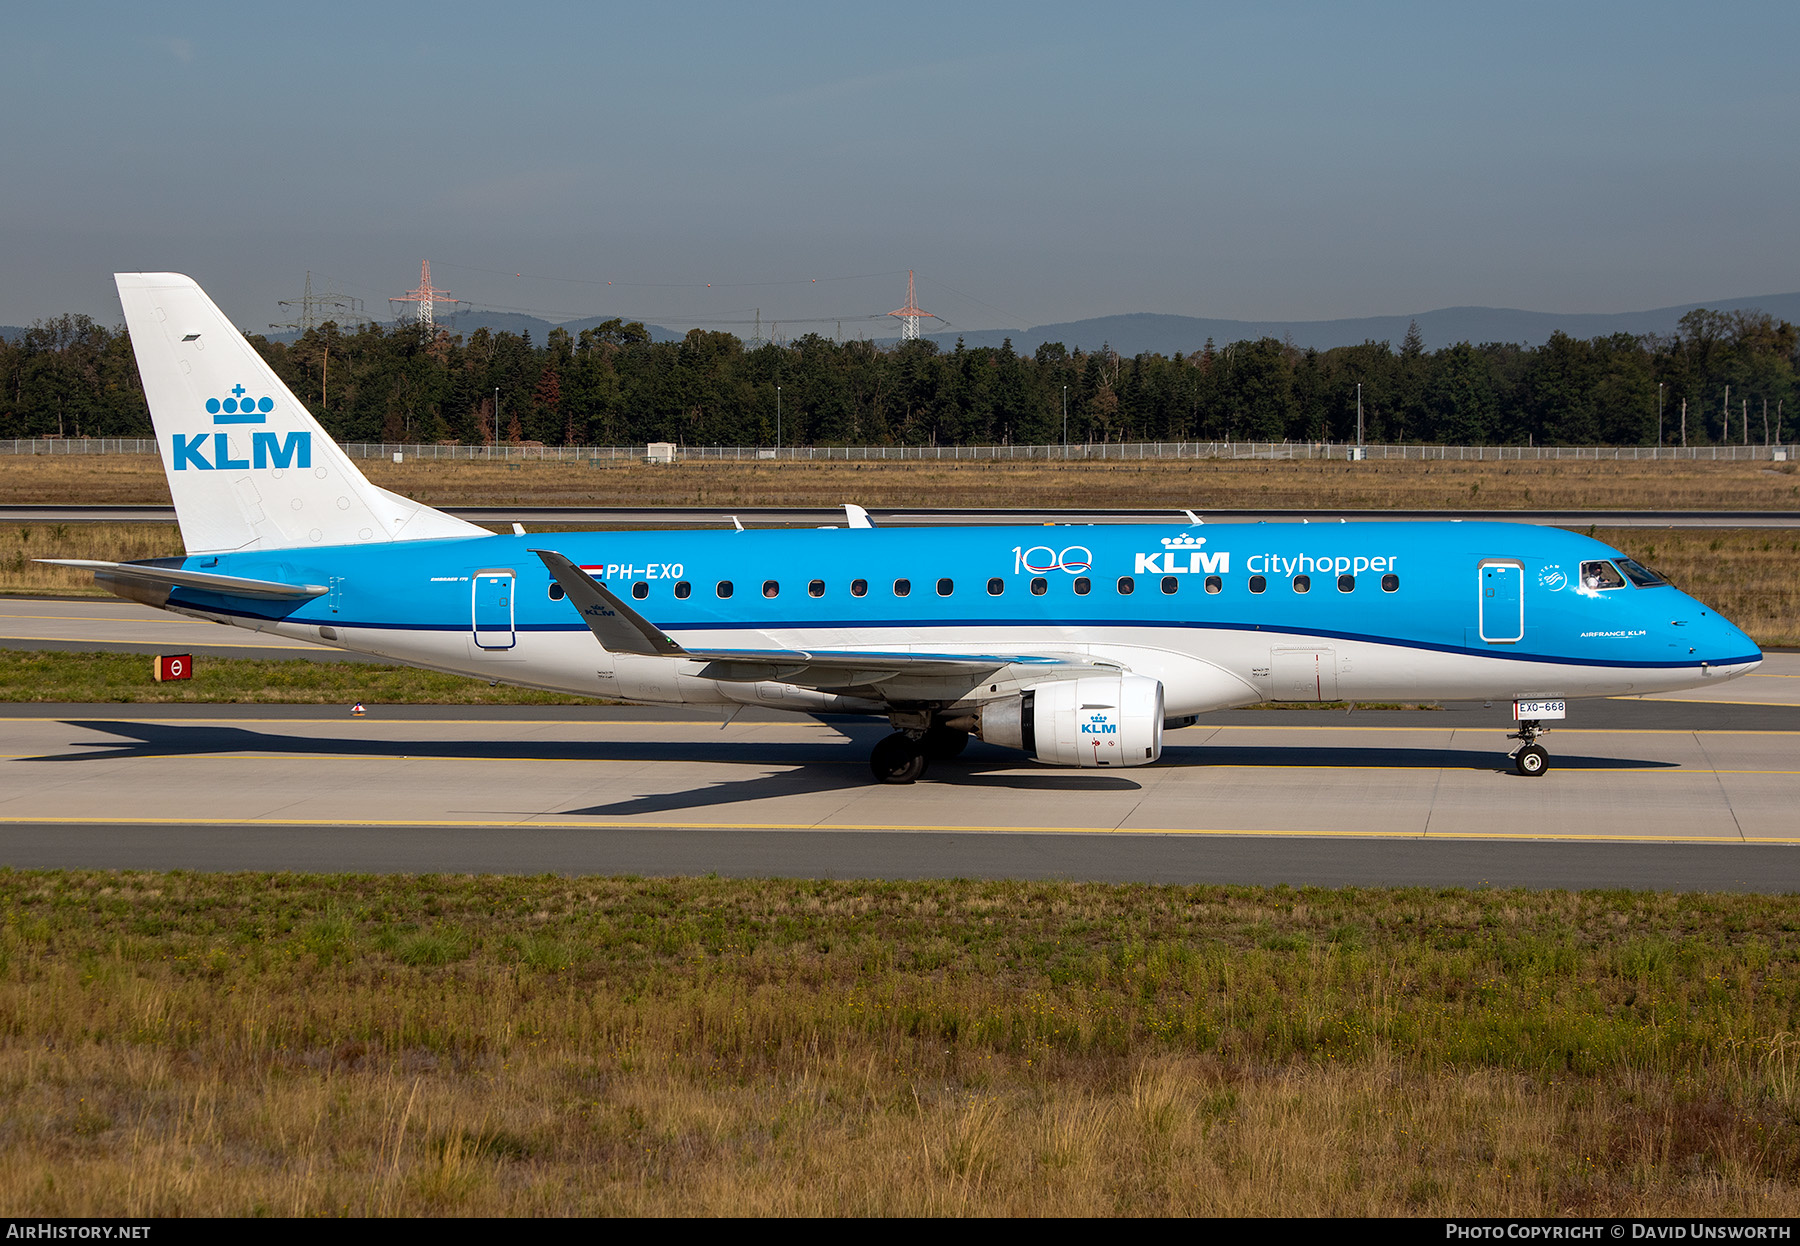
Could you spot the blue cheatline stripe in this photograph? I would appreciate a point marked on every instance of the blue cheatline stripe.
(918, 625)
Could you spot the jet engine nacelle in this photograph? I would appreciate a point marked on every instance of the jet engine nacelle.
(1098, 720)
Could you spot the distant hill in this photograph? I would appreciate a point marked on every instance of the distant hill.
(1148, 332)
(11, 332)
(467, 322)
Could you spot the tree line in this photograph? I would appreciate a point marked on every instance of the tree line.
(612, 385)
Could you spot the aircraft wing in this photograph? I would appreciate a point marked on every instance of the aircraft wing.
(620, 629)
(178, 577)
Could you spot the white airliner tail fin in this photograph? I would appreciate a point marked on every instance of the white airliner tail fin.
(248, 466)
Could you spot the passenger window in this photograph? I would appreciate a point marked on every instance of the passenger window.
(902, 587)
(859, 588)
(946, 586)
(1601, 575)
(640, 590)
(724, 589)
(816, 589)
(1039, 586)
(1083, 586)
(683, 589)
(1127, 586)
(1214, 584)
(1258, 583)
(1303, 584)
(1390, 583)
(996, 586)
(1169, 585)
(771, 588)
(1346, 584)
(556, 591)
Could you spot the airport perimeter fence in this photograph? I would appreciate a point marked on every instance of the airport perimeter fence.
(603, 456)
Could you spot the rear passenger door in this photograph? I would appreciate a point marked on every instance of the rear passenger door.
(492, 609)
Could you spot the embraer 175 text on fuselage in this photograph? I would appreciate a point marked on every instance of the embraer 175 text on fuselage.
(1077, 645)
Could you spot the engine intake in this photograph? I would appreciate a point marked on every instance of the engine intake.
(1097, 720)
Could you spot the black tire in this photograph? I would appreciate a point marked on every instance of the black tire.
(897, 759)
(1531, 761)
(943, 743)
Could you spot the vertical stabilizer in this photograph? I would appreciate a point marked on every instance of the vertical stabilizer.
(248, 466)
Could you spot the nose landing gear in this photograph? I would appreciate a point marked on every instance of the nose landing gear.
(1530, 758)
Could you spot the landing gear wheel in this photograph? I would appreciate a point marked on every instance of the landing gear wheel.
(943, 743)
(1531, 760)
(898, 759)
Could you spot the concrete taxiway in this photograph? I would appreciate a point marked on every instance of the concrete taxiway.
(1254, 796)
(108, 624)
(885, 516)
(1690, 790)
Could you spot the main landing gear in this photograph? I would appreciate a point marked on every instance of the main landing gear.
(1530, 758)
(904, 756)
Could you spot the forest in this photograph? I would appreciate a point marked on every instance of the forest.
(613, 385)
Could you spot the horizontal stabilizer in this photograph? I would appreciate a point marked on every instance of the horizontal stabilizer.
(177, 577)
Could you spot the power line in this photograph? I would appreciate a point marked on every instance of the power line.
(671, 285)
(312, 305)
(426, 296)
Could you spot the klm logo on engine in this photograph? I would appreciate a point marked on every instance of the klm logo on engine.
(190, 450)
(1099, 724)
(1182, 555)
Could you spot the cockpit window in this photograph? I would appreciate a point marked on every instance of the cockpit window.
(1601, 575)
(1641, 575)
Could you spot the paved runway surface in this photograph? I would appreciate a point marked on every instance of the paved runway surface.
(1692, 790)
(770, 516)
(1264, 796)
(91, 624)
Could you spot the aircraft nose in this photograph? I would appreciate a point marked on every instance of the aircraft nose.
(1725, 647)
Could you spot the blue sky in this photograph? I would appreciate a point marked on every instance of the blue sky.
(1034, 162)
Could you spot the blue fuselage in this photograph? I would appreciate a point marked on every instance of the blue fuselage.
(1408, 609)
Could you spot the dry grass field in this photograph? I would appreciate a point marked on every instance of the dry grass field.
(187, 1044)
(1222, 484)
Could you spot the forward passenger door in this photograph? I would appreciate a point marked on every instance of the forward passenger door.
(1501, 604)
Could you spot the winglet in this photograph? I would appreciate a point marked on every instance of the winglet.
(617, 627)
(1193, 518)
(858, 517)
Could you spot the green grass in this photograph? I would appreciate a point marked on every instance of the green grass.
(227, 1044)
(49, 675)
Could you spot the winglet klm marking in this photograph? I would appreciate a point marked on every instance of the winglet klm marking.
(617, 627)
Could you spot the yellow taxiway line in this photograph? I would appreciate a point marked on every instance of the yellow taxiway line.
(553, 823)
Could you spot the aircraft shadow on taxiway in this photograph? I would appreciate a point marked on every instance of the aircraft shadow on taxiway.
(804, 766)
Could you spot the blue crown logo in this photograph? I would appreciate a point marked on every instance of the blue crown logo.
(1183, 542)
(238, 409)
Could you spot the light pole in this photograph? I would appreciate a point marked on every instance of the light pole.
(1065, 421)
(1359, 434)
(1659, 415)
(496, 415)
(778, 419)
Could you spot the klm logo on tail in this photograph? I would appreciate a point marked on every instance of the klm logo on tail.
(238, 409)
(266, 449)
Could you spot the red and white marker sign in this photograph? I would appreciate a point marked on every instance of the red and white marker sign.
(174, 666)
